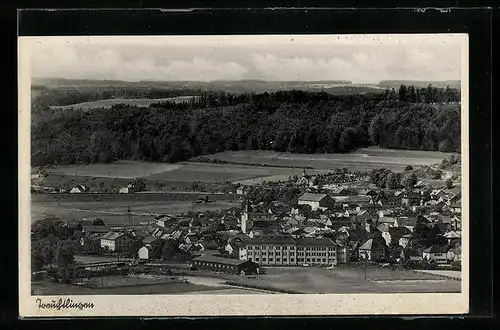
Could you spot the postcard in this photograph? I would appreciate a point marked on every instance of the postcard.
(243, 175)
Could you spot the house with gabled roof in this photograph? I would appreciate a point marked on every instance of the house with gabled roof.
(437, 194)
(116, 241)
(410, 198)
(316, 201)
(165, 220)
(386, 213)
(406, 222)
(390, 221)
(436, 253)
(374, 249)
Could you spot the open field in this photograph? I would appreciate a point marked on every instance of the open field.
(114, 212)
(49, 288)
(108, 103)
(191, 171)
(361, 159)
(448, 273)
(348, 279)
(120, 169)
(344, 279)
(187, 172)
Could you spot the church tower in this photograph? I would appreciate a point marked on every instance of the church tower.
(246, 222)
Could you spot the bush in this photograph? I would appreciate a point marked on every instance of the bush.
(449, 183)
(408, 168)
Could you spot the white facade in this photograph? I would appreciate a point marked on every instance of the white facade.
(121, 243)
(289, 254)
(123, 190)
(144, 253)
(314, 205)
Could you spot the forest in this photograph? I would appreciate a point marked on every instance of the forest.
(286, 121)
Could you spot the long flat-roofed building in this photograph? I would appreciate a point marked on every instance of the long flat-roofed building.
(287, 251)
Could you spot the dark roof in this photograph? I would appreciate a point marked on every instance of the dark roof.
(150, 239)
(270, 240)
(220, 260)
(407, 221)
(165, 217)
(112, 235)
(398, 232)
(436, 249)
(314, 241)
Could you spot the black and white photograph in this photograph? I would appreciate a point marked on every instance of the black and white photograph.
(243, 167)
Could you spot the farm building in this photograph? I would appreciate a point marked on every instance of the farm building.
(234, 266)
(165, 220)
(89, 230)
(114, 241)
(317, 201)
(353, 201)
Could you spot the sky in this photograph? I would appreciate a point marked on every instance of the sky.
(357, 58)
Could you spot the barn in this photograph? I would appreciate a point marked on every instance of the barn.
(233, 266)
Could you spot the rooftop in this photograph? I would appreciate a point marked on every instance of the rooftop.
(312, 197)
(314, 241)
(112, 235)
(436, 249)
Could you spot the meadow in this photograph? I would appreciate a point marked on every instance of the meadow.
(363, 160)
(108, 103)
(113, 208)
(348, 279)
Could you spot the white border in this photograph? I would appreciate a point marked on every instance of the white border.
(238, 305)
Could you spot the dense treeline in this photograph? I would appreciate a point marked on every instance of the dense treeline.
(293, 121)
(429, 94)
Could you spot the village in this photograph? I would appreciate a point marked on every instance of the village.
(326, 221)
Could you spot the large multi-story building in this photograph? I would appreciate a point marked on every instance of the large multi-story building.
(287, 251)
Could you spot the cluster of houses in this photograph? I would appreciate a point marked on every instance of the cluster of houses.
(327, 225)
(320, 229)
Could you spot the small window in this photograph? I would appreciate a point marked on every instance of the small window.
(292, 260)
(324, 260)
(263, 259)
(277, 259)
(284, 260)
(308, 260)
(270, 259)
(256, 259)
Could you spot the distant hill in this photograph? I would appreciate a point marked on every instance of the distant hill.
(419, 83)
(244, 85)
(230, 86)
